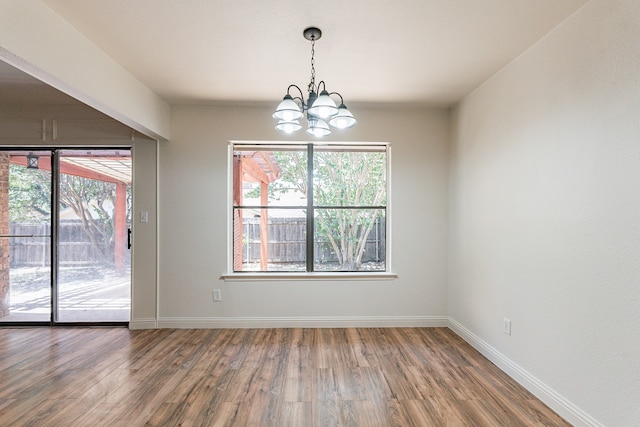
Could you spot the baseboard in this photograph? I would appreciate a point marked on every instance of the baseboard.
(546, 394)
(303, 322)
(148, 323)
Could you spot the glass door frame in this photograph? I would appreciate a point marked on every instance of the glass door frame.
(48, 235)
(54, 234)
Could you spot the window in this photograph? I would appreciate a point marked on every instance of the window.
(309, 208)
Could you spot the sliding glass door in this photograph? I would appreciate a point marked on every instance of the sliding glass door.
(65, 236)
(94, 262)
(25, 236)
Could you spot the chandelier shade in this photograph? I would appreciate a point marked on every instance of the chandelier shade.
(288, 126)
(318, 127)
(323, 107)
(322, 112)
(288, 110)
(344, 119)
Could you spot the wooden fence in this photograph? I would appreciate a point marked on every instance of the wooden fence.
(75, 248)
(287, 242)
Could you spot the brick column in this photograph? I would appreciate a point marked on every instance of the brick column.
(4, 229)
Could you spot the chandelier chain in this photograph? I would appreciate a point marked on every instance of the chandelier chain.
(321, 110)
(312, 83)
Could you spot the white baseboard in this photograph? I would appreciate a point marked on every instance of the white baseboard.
(148, 323)
(303, 322)
(546, 394)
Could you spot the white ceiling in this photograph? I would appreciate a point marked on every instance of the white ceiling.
(403, 51)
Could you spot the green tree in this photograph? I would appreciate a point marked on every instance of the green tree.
(87, 198)
(340, 179)
(29, 195)
(30, 201)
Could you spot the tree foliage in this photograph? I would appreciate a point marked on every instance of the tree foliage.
(91, 200)
(29, 195)
(342, 182)
(87, 198)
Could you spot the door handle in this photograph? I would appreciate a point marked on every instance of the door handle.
(128, 238)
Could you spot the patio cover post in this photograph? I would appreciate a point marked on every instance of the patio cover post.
(264, 226)
(120, 226)
(237, 213)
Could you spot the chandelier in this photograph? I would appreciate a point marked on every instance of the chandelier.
(322, 112)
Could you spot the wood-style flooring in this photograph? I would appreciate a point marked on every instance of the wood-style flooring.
(256, 377)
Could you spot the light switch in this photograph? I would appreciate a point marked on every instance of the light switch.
(144, 216)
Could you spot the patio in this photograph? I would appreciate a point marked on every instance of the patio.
(85, 295)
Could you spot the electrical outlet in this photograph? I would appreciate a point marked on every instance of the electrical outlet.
(217, 295)
(506, 326)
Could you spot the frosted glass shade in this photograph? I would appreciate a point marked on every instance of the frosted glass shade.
(323, 107)
(288, 110)
(318, 127)
(288, 126)
(344, 119)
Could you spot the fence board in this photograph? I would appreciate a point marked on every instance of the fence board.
(287, 242)
(75, 246)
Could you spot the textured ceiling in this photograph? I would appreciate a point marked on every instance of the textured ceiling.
(407, 52)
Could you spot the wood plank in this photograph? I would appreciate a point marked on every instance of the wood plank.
(364, 413)
(269, 377)
(295, 414)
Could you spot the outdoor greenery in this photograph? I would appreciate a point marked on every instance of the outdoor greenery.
(87, 198)
(91, 200)
(29, 195)
(348, 179)
(342, 181)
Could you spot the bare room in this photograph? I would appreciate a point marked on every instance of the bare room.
(363, 213)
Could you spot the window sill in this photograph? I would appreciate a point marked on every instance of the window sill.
(270, 277)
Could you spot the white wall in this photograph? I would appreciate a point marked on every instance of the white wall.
(145, 235)
(545, 215)
(193, 224)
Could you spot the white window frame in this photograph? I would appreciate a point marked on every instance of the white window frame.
(232, 276)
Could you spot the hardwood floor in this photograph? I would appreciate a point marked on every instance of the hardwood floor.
(256, 377)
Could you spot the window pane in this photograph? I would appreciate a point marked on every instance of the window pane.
(270, 200)
(349, 178)
(269, 240)
(25, 241)
(350, 240)
(270, 176)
